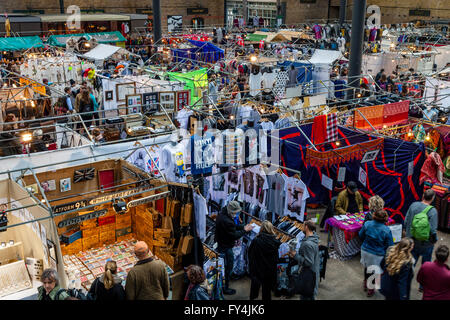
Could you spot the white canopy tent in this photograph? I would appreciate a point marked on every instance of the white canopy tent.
(104, 51)
(323, 61)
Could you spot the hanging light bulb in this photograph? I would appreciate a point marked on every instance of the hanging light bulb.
(428, 138)
(338, 143)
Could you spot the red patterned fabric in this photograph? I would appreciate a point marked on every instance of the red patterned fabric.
(373, 114)
(319, 129)
(332, 133)
(395, 113)
(430, 168)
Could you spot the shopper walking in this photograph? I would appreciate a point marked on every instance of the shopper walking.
(50, 289)
(196, 277)
(308, 254)
(435, 276)
(398, 271)
(263, 259)
(227, 232)
(108, 287)
(84, 105)
(148, 279)
(377, 238)
(421, 224)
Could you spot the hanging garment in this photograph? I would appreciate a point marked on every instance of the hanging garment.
(183, 118)
(202, 153)
(282, 123)
(173, 159)
(281, 79)
(275, 193)
(140, 159)
(254, 83)
(332, 130)
(395, 113)
(296, 195)
(419, 133)
(269, 79)
(319, 129)
(317, 31)
(292, 74)
(431, 168)
(200, 211)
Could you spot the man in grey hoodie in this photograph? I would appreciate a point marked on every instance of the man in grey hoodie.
(308, 254)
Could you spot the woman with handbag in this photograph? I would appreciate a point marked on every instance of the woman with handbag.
(263, 259)
(398, 271)
(108, 287)
(309, 263)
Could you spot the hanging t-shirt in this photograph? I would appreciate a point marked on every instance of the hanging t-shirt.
(275, 193)
(296, 195)
(254, 83)
(232, 147)
(269, 79)
(233, 180)
(139, 159)
(173, 160)
(200, 211)
(202, 153)
(218, 186)
(282, 79)
(250, 147)
(244, 113)
(183, 118)
(261, 186)
(153, 162)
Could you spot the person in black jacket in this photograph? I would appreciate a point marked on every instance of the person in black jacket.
(263, 259)
(398, 271)
(227, 232)
(196, 277)
(108, 287)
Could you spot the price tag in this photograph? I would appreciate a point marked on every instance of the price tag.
(341, 174)
(410, 168)
(327, 182)
(362, 176)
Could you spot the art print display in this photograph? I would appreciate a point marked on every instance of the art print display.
(150, 103)
(182, 99)
(109, 95)
(124, 89)
(65, 185)
(134, 103)
(167, 100)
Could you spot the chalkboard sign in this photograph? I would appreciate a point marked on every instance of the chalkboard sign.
(150, 103)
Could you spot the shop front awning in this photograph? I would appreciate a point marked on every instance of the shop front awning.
(20, 43)
(84, 17)
(101, 37)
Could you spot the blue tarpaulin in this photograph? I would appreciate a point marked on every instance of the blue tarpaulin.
(304, 70)
(387, 175)
(203, 51)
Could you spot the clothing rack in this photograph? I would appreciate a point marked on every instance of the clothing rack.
(280, 234)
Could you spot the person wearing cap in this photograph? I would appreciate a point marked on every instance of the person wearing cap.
(349, 200)
(227, 232)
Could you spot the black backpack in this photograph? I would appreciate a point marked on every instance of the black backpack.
(76, 293)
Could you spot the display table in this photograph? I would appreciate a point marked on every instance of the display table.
(345, 233)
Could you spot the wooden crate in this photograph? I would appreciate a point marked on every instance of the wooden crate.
(107, 237)
(90, 242)
(123, 218)
(91, 232)
(108, 227)
(88, 224)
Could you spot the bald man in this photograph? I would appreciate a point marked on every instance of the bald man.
(148, 279)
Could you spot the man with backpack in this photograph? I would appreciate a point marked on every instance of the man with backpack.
(420, 224)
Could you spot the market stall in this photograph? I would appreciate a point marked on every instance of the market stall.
(200, 51)
(113, 38)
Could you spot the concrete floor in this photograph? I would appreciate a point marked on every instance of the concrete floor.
(343, 280)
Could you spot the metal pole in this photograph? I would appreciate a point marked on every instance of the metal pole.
(156, 21)
(61, 6)
(342, 12)
(356, 44)
(245, 12)
(225, 13)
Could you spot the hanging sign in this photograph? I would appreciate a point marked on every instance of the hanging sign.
(362, 176)
(370, 156)
(341, 174)
(148, 199)
(410, 168)
(327, 182)
(69, 206)
(84, 217)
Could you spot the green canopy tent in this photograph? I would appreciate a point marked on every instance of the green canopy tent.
(115, 38)
(192, 80)
(255, 37)
(20, 43)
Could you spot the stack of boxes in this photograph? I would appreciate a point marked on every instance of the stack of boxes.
(123, 226)
(144, 226)
(90, 232)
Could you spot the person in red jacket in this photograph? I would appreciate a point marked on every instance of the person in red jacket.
(435, 276)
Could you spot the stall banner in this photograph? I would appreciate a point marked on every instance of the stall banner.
(84, 217)
(34, 85)
(395, 113)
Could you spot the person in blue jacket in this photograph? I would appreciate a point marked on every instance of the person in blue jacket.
(377, 238)
(398, 271)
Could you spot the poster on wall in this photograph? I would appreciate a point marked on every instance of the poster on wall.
(150, 103)
(182, 99)
(49, 185)
(64, 185)
(134, 102)
(174, 23)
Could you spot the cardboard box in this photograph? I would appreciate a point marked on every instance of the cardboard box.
(71, 236)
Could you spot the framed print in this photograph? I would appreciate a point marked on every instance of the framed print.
(167, 100)
(49, 185)
(122, 109)
(150, 103)
(33, 188)
(65, 185)
(83, 175)
(122, 89)
(182, 99)
(109, 95)
(134, 103)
